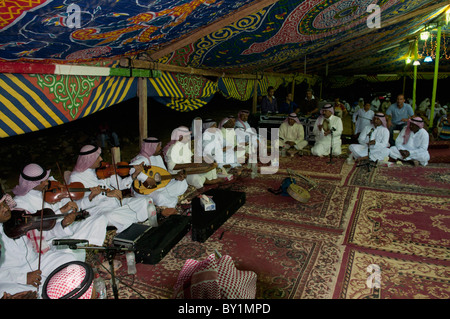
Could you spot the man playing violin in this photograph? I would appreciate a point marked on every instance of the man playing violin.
(30, 196)
(20, 270)
(120, 212)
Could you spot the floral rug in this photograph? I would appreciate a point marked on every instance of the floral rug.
(291, 262)
(432, 179)
(398, 277)
(406, 224)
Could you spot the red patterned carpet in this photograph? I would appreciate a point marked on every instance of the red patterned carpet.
(397, 218)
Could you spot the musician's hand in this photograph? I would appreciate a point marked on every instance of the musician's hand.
(320, 127)
(117, 193)
(404, 153)
(372, 142)
(94, 192)
(326, 133)
(150, 182)
(290, 143)
(137, 170)
(180, 176)
(70, 206)
(69, 219)
(21, 295)
(34, 278)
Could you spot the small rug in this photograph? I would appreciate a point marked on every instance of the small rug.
(402, 223)
(399, 278)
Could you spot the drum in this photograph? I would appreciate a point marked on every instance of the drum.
(298, 193)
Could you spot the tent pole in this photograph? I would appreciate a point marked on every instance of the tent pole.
(255, 94)
(415, 75)
(293, 87)
(142, 93)
(436, 72)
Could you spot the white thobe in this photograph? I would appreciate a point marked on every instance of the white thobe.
(93, 228)
(229, 144)
(323, 143)
(379, 151)
(417, 146)
(362, 118)
(133, 209)
(180, 153)
(166, 196)
(19, 258)
(294, 133)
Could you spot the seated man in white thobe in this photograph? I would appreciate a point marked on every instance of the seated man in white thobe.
(327, 131)
(33, 182)
(292, 135)
(411, 144)
(120, 212)
(150, 155)
(178, 156)
(20, 268)
(230, 160)
(374, 138)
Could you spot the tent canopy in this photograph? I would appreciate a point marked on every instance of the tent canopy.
(223, 35)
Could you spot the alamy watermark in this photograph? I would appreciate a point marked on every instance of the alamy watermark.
(374, 279)
(374, 19)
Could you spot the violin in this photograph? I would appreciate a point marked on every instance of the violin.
(121, 168)
(21, 221)
(56, 191)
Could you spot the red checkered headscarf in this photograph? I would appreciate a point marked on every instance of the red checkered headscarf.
(214, 279)
(292, 116)
(87, 157)
(4, 197)
(72, 280)
(148, 147)
(30, 177)
(416, 120)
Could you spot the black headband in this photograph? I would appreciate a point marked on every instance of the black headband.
(146, 140)
(95, 148)
(33, 178)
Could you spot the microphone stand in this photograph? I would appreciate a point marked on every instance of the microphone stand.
(110, 253)
(369, 163)
(331, 146)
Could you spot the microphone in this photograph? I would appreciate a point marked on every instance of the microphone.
(370, 133)
(333, 129)
(72, 243)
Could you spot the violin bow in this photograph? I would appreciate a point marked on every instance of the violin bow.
(41, 226)
(64, 182)
(113, 160)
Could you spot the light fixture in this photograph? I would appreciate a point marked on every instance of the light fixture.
(408, 60)
(416, 63)
(428, 59)
(424, 35)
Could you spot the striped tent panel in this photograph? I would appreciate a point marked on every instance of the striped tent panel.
(181, 92)
(33, 102)
(239, 89)
(111, 90)
(25, 108)
(266, 81)
(182, 104)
